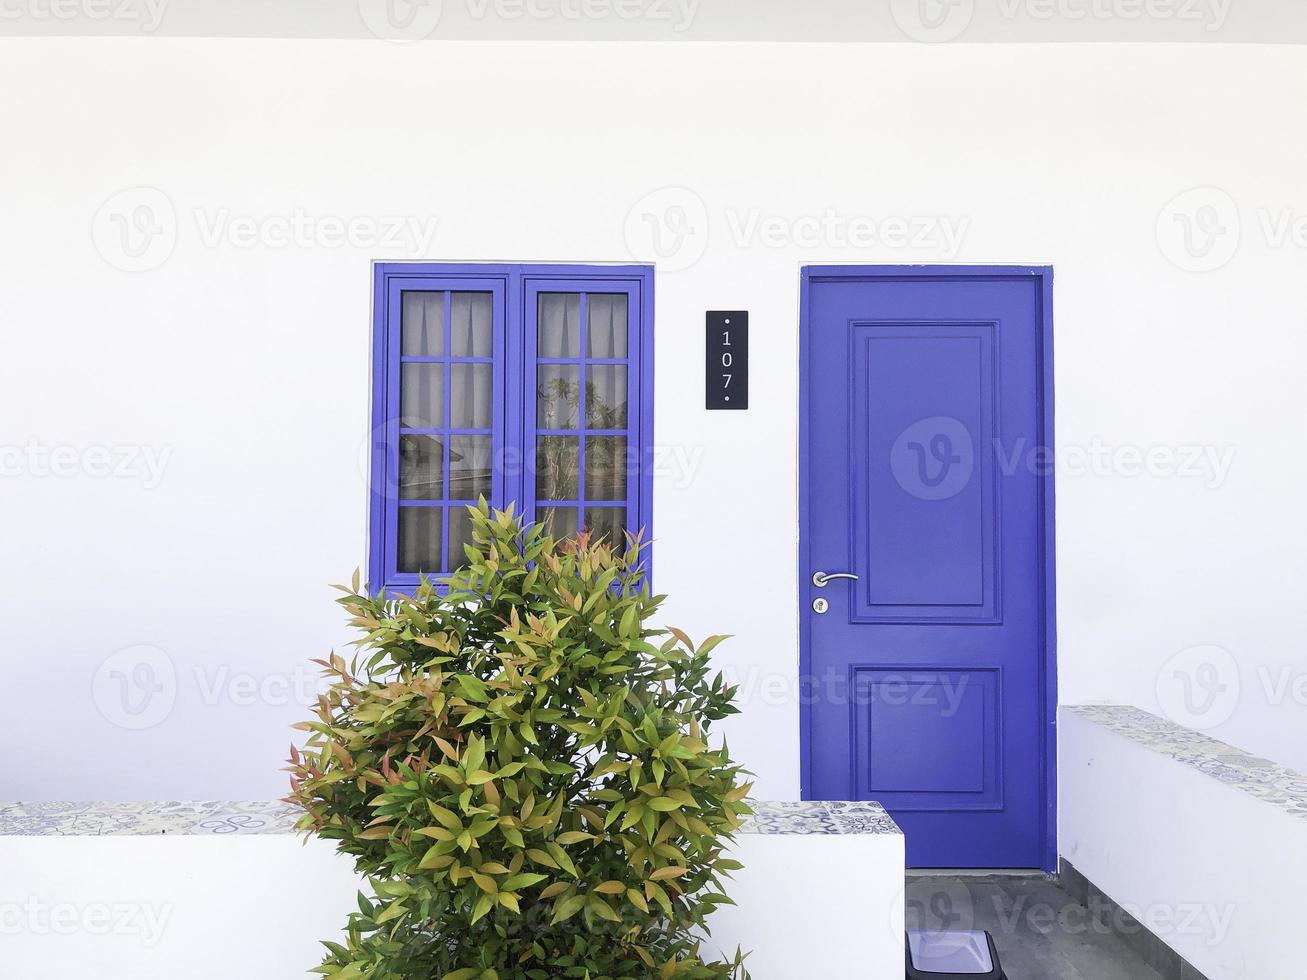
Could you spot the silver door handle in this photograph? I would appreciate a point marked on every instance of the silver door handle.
(820, 579)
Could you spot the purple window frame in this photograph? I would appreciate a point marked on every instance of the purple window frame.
(515, 288)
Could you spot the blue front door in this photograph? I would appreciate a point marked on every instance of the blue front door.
(926, 469)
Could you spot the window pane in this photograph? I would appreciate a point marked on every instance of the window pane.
(469, 468)
(608, 523)
(557, 470)
(470, 324)
(605, 468)
(421, 468)
(558, 333)
(422, 331)
(419, 539)
(605, 396)
(607, 327)
(460, 534)
(558, 388)
(422, 396)
(560, 522)
(469, 402)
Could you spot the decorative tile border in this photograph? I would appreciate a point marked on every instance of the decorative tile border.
(1268, 781)
(98, 819)
(825, 817)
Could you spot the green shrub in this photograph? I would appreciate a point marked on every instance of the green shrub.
(522, 770)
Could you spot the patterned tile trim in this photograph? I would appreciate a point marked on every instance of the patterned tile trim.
(826, 817)
(1275, 784)
(145, 819)
(98, 819)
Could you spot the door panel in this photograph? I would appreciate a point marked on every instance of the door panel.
(928, 670)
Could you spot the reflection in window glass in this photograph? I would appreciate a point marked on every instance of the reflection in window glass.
(460, 534)
(419, 539)
(605, 468)
(422, 395)
(605, 396)
(608, 523)
(421, 467)
(558, 390)
(557, 468)
(470, 399)
(469, 467)
(559, 522)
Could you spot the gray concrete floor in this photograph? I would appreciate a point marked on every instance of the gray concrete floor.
(1041, 932)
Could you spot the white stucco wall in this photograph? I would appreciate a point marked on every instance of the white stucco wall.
(1205, 865)
(157, 908)
(230, 379)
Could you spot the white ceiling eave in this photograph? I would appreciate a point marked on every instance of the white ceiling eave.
(927, 21)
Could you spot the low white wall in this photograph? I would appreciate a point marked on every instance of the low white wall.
(169, 908)
(256, 907)
(816, 906)
(1213, 871)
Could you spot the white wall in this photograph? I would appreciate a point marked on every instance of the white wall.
(248, 364)
(1207, 867)
(158, 908)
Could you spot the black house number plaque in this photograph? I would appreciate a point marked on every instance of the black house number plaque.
(727, 360)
